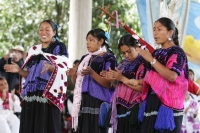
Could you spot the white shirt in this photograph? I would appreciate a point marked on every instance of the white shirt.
(14, 105)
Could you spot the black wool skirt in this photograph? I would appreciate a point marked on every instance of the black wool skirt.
(152, 107)
(89, 115)
(127, 119)
(38, 116)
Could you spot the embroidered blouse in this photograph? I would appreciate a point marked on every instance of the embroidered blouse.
(171, 94)
(55, 54)
(127, 96)
(99, 63)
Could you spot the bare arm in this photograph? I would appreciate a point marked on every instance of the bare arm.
(14, 68)
(73, 78)
(165, 72)
(102, 81)
(161, 69)
(23, 73)
(127, 82)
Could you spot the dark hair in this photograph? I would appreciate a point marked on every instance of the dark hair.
(127, 40)
(169, 24)
(54, 26)
(100, 34)
(2, 77)
(76, 61)
(190, 70)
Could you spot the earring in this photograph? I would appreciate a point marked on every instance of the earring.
(169, 38)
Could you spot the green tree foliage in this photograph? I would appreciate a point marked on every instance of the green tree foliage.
(127, 12)
(20, 20)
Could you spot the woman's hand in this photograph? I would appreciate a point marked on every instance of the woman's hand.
(47, 67)
(13, 68)
(106, 75)
(134, 82)
(114, 75)
(71, 71)
(86, 71)
(103, 73)
(145, 54)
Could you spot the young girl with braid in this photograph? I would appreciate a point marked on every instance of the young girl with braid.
(165, 83)
(126, 99)
(91, 90)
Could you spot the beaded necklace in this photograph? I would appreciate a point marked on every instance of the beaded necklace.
(92, 59)
(45, 49)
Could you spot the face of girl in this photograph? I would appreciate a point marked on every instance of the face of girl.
(46, 32)
(3, 85)
(191, 76)
(161, 34)
(128, 52)
(93, 44)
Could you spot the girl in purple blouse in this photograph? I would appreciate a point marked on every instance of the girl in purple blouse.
(90, 88)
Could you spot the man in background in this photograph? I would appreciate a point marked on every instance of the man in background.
(14, 55)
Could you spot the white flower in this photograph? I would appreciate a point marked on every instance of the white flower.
(135, 36)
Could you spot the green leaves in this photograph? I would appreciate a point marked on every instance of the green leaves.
(20, 20)
(127, 11)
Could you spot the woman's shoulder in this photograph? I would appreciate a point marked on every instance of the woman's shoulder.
(35, 47)
(177, 50)
(61, 44)
(170, 50)
(83, 57)
(108, 55)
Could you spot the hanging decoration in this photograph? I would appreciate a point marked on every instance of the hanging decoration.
(118, 22)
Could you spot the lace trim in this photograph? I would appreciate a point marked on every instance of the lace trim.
(150, 114)
(36, 98)
(90, 110)
(178, 114)
(156, 113)
(124, 115)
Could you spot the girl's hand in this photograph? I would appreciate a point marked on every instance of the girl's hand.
(13, 68)
(114, 75)
(103, 73)
(145, 54)
(106, 75)
(86, 71)
(71, 71)
(47, 67)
